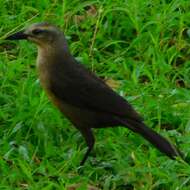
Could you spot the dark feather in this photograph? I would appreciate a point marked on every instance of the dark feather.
(83, 89)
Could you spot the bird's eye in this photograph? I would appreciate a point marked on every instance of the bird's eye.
(37, 31)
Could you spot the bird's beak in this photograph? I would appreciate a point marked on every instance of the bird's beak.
(17, 36)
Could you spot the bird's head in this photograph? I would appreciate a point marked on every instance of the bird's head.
(42, 34)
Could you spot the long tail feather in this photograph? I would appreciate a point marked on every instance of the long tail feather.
(157, 140)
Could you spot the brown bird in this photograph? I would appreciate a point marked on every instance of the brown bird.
(79, 94)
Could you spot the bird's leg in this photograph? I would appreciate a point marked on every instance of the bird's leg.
(89, 138)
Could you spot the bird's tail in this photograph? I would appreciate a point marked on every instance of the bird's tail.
(157, 140)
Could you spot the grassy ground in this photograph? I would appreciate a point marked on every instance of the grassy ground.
(142, 49)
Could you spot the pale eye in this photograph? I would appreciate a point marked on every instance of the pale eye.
(37, 31)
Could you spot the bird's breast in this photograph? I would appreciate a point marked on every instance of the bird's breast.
(44, 70)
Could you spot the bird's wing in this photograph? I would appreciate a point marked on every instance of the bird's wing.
(83, 89)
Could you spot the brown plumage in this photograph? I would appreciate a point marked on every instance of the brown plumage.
(79, 94)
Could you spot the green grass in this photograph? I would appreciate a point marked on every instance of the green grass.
(141, 45)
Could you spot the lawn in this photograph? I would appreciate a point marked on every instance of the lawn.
(142, 50)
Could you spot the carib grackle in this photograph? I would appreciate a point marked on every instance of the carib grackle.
(79, 94)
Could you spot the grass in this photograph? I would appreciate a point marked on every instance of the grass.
(142, 49)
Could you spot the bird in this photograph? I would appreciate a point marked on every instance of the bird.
(84, 98)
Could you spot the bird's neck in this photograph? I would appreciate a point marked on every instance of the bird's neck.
(48, 54)
(49, 58)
